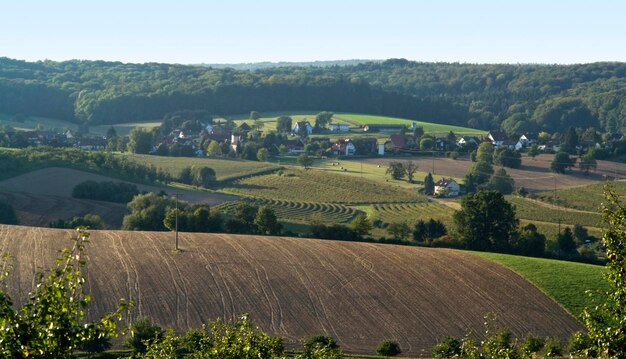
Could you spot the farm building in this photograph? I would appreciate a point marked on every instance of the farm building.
(297, 128)
(339, 127)
(400, 142)
(447, 187)
(344, 147)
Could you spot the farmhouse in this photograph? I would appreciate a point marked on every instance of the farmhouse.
(339, 127)
(383, 128)
(497, 138)
(298, 127)
(466, 140)
(344, 147)
(447, 187)
(400, 142)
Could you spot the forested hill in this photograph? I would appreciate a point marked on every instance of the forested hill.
(516, 97)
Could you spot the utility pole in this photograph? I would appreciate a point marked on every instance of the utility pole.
(176, 221)
(433, 163)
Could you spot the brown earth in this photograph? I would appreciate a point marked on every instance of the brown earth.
(45, 195)
(534, 174)
(357, 292)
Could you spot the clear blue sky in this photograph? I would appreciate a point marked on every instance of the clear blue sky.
(236, 31)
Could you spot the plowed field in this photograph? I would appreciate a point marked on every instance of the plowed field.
(360, 293)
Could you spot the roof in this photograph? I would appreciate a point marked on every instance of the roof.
(379, 126)
(497, 135)
(444, 182)
(245, 127)
(399, 141)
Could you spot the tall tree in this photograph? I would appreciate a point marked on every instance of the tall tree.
(395, 170)
(587, 162)
(323, 119)
(409, 169)
(561, 162)
(500, 181)
(284, 124)
(305, 161)
(570, 141)
(486, 222)
(139, 141)
(485, 152)
(266, 221)
(429, 184)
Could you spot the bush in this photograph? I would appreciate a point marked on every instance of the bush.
(143, 331)
(7, 214)
(389, 348)
(448, 347)
(532, 344)
(579, 344)
(118, 192)
(320, 346)
(552, 348)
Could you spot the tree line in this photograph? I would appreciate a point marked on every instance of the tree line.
(515, 98)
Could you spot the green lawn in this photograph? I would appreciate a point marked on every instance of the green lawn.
(318, 186)
(123, 129)
(32, 122)
(527, 209)
(225, 169)
(565, 282)
(587, 198)
(268, 119)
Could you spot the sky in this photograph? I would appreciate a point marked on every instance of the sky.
(238, 31)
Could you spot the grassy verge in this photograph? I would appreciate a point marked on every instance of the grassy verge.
(565, 282)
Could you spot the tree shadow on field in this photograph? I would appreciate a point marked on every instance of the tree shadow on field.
(245, 186)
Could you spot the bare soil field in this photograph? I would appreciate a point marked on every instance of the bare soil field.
(39, 210)
(357, 292)
(56, 181)
(534, 174)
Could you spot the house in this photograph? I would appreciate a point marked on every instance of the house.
(550, 146)
(440, 144)
(447, 187)
(510, 144)
(293, 146)
(497, 138)
(383, 128)
(219, 134)
(339, 127)
(466, 140)
(400, 142)
(298, 127)
(235, 142)
(244, 127)
(344, 147)
(92, 144)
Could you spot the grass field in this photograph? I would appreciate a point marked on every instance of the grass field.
(318, 186)
(32, 122)
(586, 198)
(355, 121)
(535, 211)
(225, 169)
(566, 282)
(123, 129)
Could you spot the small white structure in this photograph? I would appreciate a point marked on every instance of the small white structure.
(381, 149)
(297, 128)
(447, 187)
(339, 127)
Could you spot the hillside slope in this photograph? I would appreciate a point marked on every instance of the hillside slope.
(359, 293)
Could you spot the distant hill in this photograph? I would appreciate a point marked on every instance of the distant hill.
(359, 293)
(515, 98)
(265, 65)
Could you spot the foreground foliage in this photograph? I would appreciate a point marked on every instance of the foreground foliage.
(607, 322)
(52, 323)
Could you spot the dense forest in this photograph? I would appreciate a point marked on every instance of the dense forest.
(516, 98)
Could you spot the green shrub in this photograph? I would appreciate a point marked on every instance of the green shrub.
(143, 331)
(389, 348)
(552, 348)
(448, 347)
(579, 344)
(532, 344)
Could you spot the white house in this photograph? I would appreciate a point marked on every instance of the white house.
(339, 127)
(447, 187)
(465, 140)
(497, 138)
(344, 147)
(302, 124)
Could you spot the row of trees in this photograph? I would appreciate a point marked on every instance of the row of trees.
(153, 212)
(119, 192)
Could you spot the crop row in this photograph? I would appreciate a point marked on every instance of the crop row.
(412, 212)
(300, 211)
